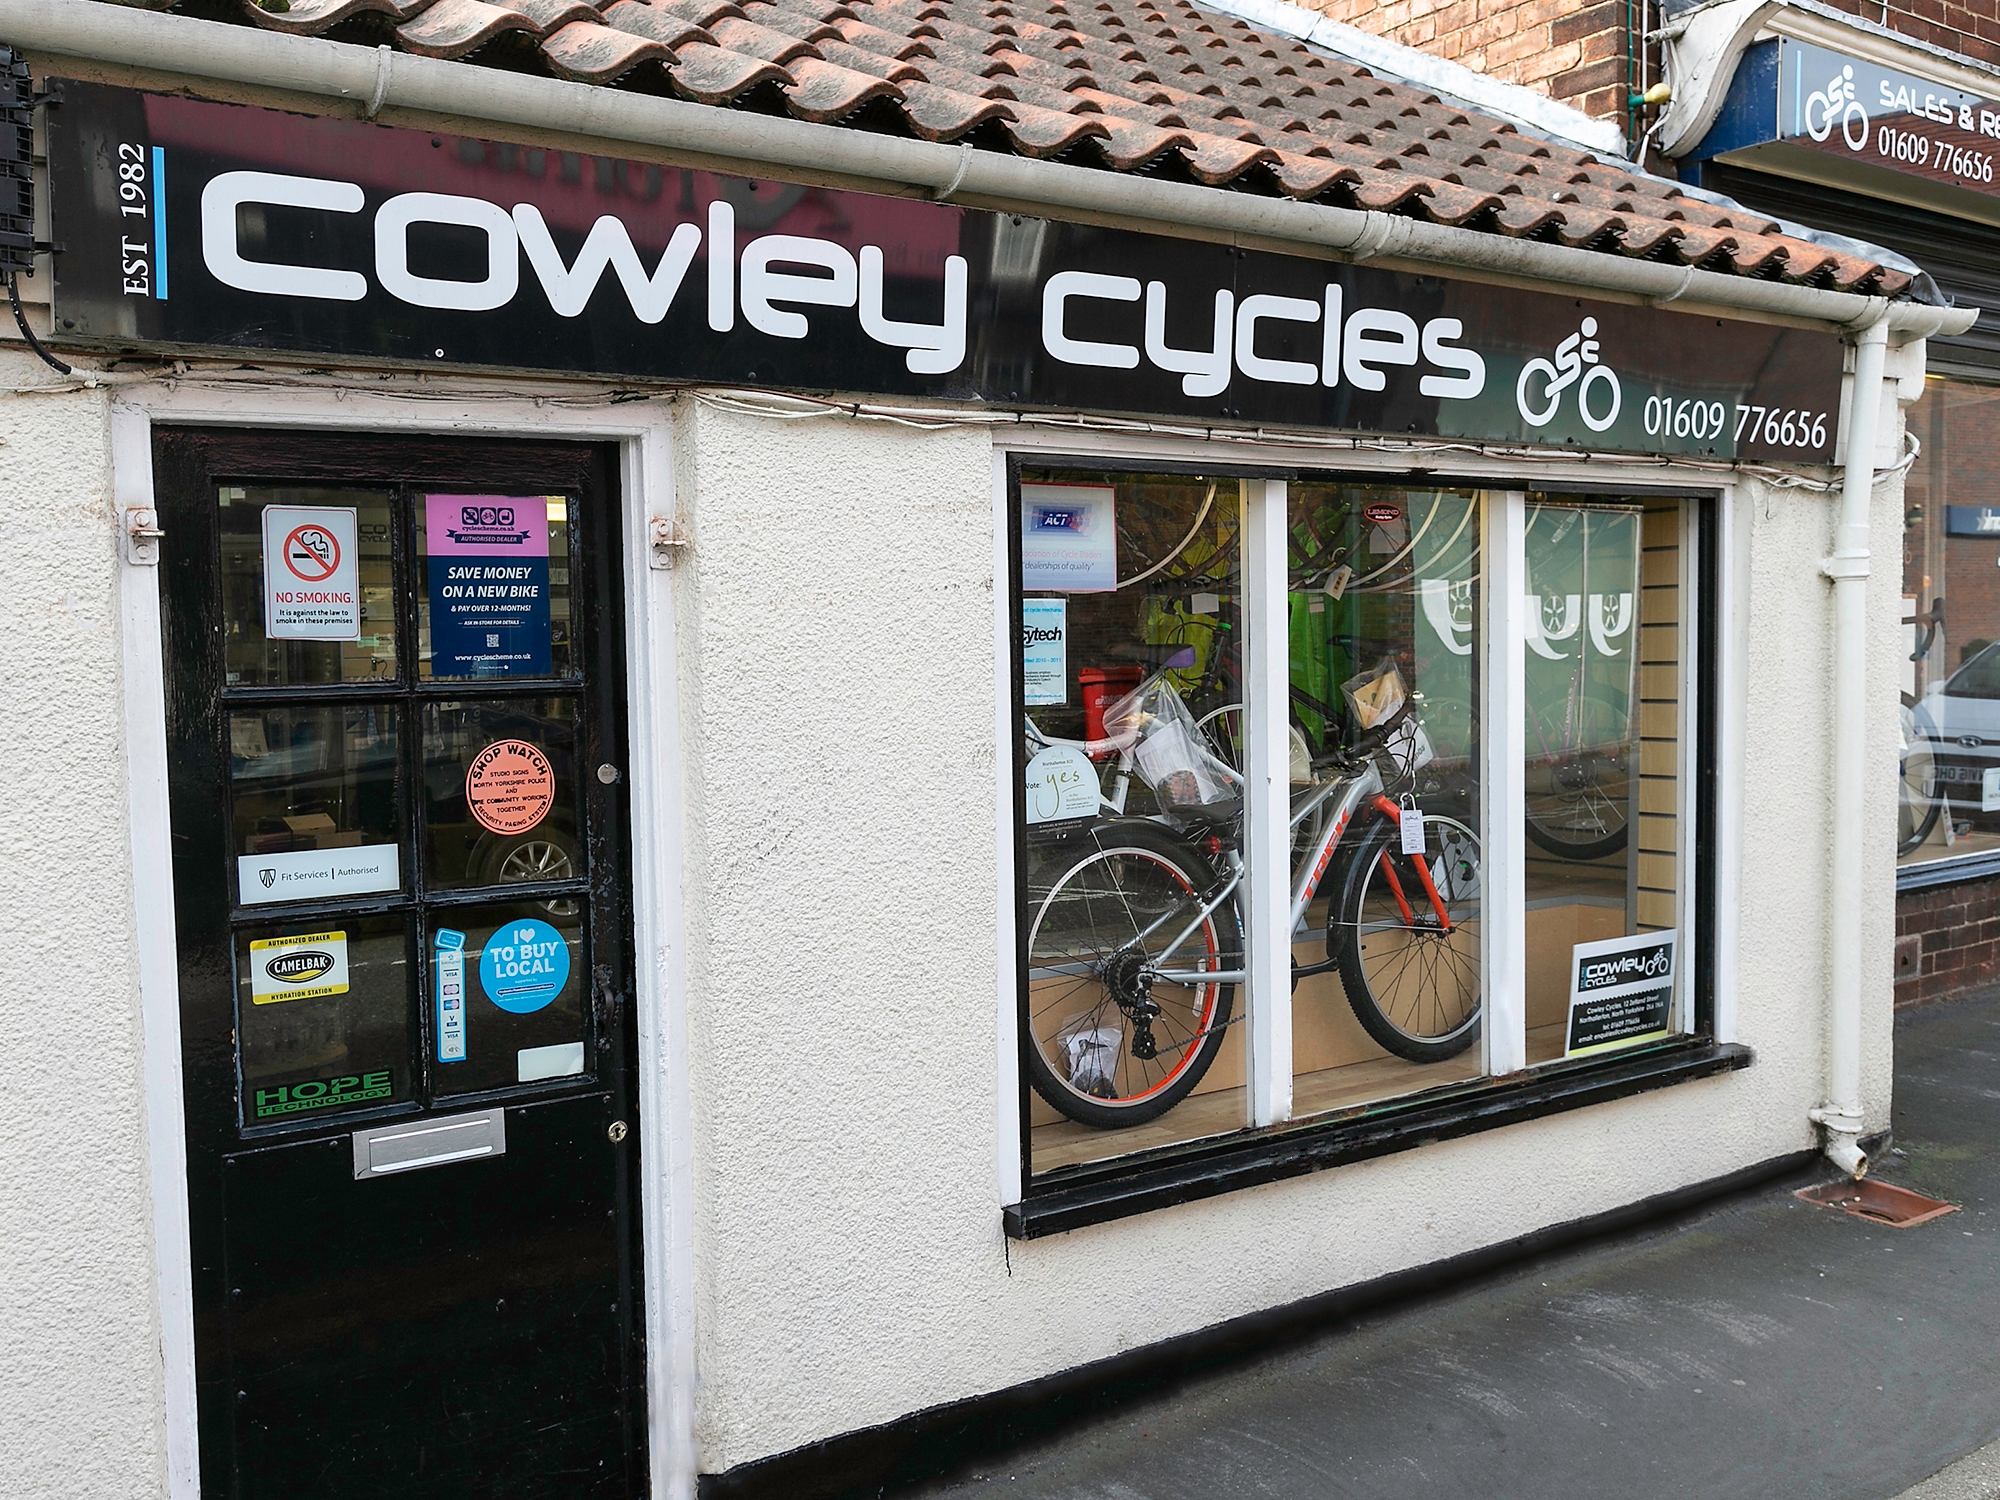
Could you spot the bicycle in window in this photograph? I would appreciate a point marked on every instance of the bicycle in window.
(1135, 923)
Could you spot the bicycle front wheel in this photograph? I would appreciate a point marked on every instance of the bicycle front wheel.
(1120, 1025)
(1410, 965)
(1917, 792)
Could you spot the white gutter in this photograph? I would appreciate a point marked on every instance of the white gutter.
(380, 82)
(1510, 101)
(1848, 568)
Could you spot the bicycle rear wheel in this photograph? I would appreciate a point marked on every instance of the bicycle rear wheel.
(1412, 979)
(1111, 1039)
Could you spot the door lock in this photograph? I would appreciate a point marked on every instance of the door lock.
(607, 773)
(616, 1132)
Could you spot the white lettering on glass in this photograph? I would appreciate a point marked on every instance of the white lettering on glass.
(1203, 372)
(935, 349)
(608, 246)
(1055, 312)
(392, 252)
(1262, 307)
(761, 286)
(225, 262)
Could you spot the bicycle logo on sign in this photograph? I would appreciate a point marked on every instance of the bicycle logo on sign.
(1839, 104)
(1576, 364)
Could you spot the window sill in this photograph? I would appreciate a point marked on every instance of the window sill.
(1077, 1197)
(1949, 870)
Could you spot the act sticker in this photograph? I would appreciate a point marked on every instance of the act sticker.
(322, 1093)
(312, 573)
(524, 966)
(510, 786)
(298, 968)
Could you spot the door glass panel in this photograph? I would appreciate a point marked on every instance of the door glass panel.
(493, 594)
(1385, 638)
(323, 1017)
(521, 973)
(1604, 732)
(1131, 725)
(313, 801)
(500, 792)
(252, 656)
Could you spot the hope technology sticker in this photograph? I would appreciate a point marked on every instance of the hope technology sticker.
(510, 786)
(524, 966)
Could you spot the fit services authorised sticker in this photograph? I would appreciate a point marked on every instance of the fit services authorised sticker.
(510, 787)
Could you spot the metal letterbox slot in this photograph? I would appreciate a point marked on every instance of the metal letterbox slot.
(412, 1144)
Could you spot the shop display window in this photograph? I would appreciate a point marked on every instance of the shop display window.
(1949, 764)
(1451, 917)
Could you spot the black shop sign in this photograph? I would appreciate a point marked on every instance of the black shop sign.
(188, 225)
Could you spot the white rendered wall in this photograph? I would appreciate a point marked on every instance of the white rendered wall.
(838, 677)
(80, 1372)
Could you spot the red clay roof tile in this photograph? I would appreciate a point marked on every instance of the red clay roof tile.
(1120, 84)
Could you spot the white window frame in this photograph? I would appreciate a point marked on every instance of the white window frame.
(1502, 799)
(643, 433)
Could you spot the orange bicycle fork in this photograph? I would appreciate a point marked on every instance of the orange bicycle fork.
(1395, 814)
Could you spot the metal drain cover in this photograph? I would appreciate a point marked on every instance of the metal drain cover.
(1878, 1202)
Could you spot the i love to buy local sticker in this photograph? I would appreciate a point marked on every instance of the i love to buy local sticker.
(510, 786)
(524, 966)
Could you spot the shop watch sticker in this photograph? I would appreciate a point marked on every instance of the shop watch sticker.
(510, 787)
(312, 573)
(1621, 990)
(448, 964)
(298, 968)
(524, 966)
(489, 585)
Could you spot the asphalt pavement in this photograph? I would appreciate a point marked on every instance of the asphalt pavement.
(1756, 1347)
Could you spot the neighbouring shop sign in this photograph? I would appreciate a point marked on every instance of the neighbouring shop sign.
(192, 225)
(1862, 111)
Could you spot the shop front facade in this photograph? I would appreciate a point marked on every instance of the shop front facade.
(730, 789)
(1888, 134)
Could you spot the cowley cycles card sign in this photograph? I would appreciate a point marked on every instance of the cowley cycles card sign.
(191, 225)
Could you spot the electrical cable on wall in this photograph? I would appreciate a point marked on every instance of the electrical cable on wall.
(21, 320)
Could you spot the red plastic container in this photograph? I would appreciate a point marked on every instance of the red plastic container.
(1099, 686)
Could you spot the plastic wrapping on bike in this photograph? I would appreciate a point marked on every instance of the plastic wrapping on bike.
(1171, 756)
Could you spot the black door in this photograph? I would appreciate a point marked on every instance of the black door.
(396, 735)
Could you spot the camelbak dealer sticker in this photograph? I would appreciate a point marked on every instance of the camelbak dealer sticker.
(340, 238)
(298, 968)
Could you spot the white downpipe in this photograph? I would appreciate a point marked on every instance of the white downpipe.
(401, 88)
(1848, 568)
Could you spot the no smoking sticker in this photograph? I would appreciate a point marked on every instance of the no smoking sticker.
(510, 786)
(312, 583)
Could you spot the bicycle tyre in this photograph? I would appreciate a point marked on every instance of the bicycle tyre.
(1917, 802)
(1389, 965)
(1080, 947)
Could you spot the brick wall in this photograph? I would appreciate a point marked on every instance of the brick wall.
(1574, 53)
(1955, 932)
(1971, 28)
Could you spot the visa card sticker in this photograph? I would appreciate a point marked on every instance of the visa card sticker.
(448, 963)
